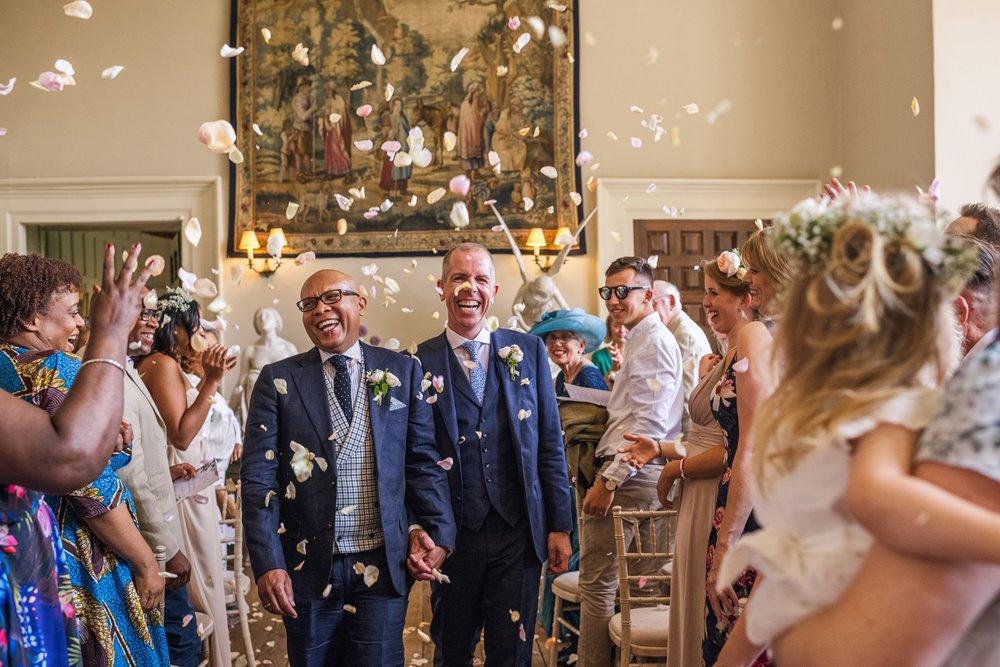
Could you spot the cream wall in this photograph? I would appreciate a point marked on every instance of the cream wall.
(777, 62)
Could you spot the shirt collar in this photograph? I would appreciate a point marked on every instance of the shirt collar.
(456, 340)
(647, 323)
(675, 322)
(353, 353)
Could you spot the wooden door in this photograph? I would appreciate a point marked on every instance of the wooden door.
(681, 245)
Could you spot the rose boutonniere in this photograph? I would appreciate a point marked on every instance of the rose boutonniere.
(381, 382)
(512, 356)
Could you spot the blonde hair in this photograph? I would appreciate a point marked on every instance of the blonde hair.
(731, 284)
(868, 320)
(764, 257)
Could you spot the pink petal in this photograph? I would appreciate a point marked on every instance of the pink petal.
(583, 158)
(6, 89)
(741, 366)
(460, 185)
(514, 22)
(391, 146)
(305, 257)
(446, 463)
(50, 81)
(364, 110)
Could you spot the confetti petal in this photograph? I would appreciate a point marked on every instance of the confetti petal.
(290, 491)
(364, 110)
(304, 257)
(192, 231)
(636, 142)
(584, 158)
(691, 108)
(205, 288)
(460, 185)
(230, 52)
(235, 155)
(389, 90)
(446, 463)
(79, 9)
(112, 72)
(653, 260)
(523, 414)
(459, 215)
(515, 615)
(156, 264)
(8, 88)
(342, 226)
(377, 56)
(457, 59)
(266, 34)
(301, 547)
(742, 366)
(915, 107)
(281, 386)
(236, 274)
(291, 209)
(522, 42)
(300, 54)
(217, 135)
(360, 84)
(424, 637)
(549, 172)
(371, 575)
(350, 609)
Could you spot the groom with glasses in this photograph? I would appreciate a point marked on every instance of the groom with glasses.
(647, 399)
(339, 460)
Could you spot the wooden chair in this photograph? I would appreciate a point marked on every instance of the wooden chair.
(640, 631)
(566, 589)
(237, 582)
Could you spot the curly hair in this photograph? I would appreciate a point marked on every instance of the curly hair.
(171, 316)
(27, 285)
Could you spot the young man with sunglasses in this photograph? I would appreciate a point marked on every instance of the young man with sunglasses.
(647, 399)
(339, 460)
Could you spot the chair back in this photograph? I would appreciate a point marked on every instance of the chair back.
(237, 581)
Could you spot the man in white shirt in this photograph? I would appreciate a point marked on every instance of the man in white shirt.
(975, 305)
(648, 398)
(690, 337)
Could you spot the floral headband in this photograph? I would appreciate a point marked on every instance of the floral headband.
(731, 264)
(805, 234)
(174, 299)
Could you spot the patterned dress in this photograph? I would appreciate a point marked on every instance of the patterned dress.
(114, 629)
(724, 408)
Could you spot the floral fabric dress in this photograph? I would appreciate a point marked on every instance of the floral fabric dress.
(114, 629)
(724, 408)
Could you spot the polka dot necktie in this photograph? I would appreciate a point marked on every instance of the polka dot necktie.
(477, 375)
(342, 385)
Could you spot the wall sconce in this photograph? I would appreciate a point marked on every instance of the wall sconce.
(536, 242)
(276, 242)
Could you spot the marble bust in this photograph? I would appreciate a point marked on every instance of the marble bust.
(267, 349)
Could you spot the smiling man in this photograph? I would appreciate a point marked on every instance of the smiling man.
(497, 419)
(331, 433)
(647, 398)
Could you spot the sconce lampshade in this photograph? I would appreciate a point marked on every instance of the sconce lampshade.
(277, 232)
(249, 240)
(563, 236)
(536, 238)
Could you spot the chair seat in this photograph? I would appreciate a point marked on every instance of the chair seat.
(205, 623)
(650, 630)
(567, 586)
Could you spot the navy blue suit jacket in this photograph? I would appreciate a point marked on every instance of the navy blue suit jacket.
(411, 486)
(537, 440)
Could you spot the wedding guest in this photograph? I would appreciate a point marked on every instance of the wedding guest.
(75, 443)
(222, 432)
(647, 397)
(978, 221)
(727, 304)
(569, 336)
(339, 460)
(608, 359)
(496, 418)
(975, 305)
(868, 328)
(735, 404)
(115, 577)
(690, 337)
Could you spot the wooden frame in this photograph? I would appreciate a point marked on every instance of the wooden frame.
(311, 147)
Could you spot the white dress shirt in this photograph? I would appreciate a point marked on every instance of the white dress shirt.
(648, 396)
(355, 365)
(456, 340)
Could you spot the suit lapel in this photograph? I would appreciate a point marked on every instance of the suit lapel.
(510, 393)
(310, 385)
(439, 363)
(375, 359)
(136, 379)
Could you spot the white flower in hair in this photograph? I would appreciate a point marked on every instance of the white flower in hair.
(729, 263)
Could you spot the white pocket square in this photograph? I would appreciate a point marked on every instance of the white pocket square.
(395, 404)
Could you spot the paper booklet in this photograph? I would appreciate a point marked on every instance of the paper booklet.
(587, 395)
(206, 476)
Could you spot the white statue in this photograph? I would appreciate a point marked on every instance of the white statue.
(267, 349)
(539, 295)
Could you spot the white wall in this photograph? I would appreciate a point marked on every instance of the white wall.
(777, 62)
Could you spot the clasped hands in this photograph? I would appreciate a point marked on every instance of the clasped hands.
(425, 556)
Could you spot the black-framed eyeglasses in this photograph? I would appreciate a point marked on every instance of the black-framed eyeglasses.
(329, 298)
(620, 291)
(147, 314)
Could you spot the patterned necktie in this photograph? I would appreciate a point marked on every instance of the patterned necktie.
(342, 385)
(477, 375)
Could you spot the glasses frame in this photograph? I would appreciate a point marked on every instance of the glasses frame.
(146, 314)
(329, 298)
(620, 291)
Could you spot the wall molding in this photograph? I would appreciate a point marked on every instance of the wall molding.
(622, 201)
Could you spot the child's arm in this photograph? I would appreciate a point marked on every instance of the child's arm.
(909, 514)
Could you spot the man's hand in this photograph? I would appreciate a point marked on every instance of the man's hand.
(425, 556)
(182, 471)
(559, 552)
(598, 500)
(275, 590)
(125, 436)
(180, 566)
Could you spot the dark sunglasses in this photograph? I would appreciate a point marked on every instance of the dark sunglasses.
(329, 298)
(147, 314)
(621, 291)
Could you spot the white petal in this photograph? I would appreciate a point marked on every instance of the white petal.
(291, 209)
(557, 37)
(529, 204)
(364, 145)
(205, 288)
(402, 160)
(377, 56)
(236, 274)
(360, 84)
(230, 52)
(742, 366)
(156, 264)
(422, 158)
(446, 463)
(536, 24)
(457, 59)
(389, 90)
(653, 260)
(459, 215)
(391, 285)
(691, 108)
(502, 70)
(450, 139)
(549, 171)
(281, 386)
(300, 54)
(636, 142)
(218, 135)
(266, 34)
(576, 198)
(235, 156)
(79, 9)
(112, 72)
(341, 226)
(460, 185)
(435, 195)
(523, 414)
(522, 42)
(304, 257)
(274, 246)
(371, 575)
(192, 231)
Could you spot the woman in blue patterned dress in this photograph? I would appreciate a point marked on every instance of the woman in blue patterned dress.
(116, 587)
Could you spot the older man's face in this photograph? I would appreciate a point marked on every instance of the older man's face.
(332, 327)
(468, 291)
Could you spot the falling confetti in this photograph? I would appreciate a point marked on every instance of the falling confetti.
(915, 107)
(112, 72)
(350, 609)
(300, 54)
(192, 231)
(371, 575)
(446, 463)
(523, 414)
(457, 59)
(515, 615)
(549, 172)
(281, 386)
(377, 56)
(691, 108)
(636, 142)
(341, 226)
(837, 23)
(459, 185)
(522, 42)
(217, 135)
(79, 9)
(266, 34)
(230, 52)
(291, 209)
(460, 214)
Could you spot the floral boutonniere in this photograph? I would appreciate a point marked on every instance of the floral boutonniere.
(381, 382)
(512, 356)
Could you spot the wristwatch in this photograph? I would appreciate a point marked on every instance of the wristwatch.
(610, 484)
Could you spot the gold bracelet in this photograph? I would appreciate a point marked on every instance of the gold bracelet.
(102, 360)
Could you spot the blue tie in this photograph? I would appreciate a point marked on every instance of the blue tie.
(342, 385)
(477, 375)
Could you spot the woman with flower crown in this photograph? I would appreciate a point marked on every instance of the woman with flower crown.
(868, 329)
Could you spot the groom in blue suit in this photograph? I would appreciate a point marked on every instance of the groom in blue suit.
(496, 418)
(339, 460)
